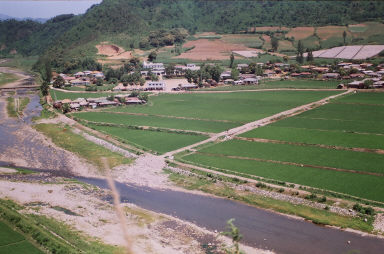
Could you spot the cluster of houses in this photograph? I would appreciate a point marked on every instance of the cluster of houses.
(92, 103)
(83, 78)
(357, 73)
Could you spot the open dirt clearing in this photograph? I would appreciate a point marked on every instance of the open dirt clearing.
(326, 32)
(205, 49)
(300, 33)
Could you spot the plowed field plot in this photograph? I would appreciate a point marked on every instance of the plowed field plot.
(207, 49)
(15, 243)
(338, 147)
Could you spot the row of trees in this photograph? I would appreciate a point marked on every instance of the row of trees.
(206, 72)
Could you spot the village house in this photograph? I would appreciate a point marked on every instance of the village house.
(154, 85)
(80, 82)
(226, 75)
(242, 66)
(331, 75)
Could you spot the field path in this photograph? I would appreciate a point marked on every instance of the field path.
(258, 123)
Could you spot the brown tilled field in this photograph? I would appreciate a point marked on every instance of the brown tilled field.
(326, 32)
(205, 49)
(300, 33)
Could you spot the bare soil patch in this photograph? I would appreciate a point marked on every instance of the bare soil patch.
(109, 49)
(270, 28)
(326, 32)
(205, 49)
(300, 33)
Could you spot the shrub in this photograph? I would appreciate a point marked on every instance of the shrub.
(323, 199)
(260, 185)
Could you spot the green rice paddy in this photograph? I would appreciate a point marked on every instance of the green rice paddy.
(15, 243)
(158, 141)
(305, 152)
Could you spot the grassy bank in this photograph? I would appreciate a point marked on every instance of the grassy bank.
(37, 231)
(206, 182)
(18, 110)
(7, 78)
(66, 139)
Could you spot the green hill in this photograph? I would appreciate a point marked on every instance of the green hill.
(131, 22)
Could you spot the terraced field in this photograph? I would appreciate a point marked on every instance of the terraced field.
(338, 147)
(13, 242)
(172, 121)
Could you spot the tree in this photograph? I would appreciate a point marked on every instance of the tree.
(170, 70)
(59, 82)
(309, 56)
(233, 232)
(99, 82)
(274, 43)
(66, 108)
(152, 56)
(143, 97)
(259, 71)
(215, 73)
(300, 52)
(368, 83)
(235, 74)
(44, 88)
(344, 36)
(231, 60)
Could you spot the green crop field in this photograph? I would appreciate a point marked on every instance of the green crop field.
(325, 124)
(157, 141)
(155, 121)
(350, 160)
(59, 95)
(346, 112)
(314, 136)
(13, 242)
(238, 107)
(365, 186)
(364, 98)
(350, 122)
(294, 84)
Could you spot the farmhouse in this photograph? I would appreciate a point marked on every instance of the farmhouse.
(331, 75)
(251, 81)
(155, 85)
(150, 65)
(79, 82)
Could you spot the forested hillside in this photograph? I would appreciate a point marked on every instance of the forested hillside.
(132, 21)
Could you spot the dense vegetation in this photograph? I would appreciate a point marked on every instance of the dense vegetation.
(136, 22)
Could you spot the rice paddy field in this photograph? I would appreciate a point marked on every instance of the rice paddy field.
(60, 95)
(337, 147)
(172, 121)
(15, 243)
